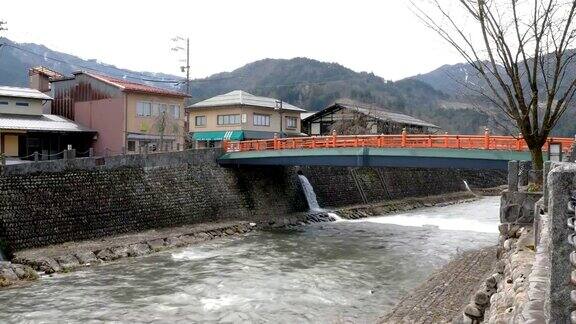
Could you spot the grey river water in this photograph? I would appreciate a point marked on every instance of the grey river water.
(346, 271)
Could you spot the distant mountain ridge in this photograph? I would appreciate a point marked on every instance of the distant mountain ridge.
(436, 97)
(16, 59)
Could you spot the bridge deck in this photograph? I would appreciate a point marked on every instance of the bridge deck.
(378, 157)
(429, 151)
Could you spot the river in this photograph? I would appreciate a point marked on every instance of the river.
(345, 271)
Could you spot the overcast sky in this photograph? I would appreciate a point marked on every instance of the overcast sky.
(380, 36)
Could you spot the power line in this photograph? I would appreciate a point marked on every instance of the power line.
(142, 77)
(177, 82)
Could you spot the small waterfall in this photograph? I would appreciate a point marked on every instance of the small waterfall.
(309, 193)
(467, 186)
(311, 198)
(2, 256)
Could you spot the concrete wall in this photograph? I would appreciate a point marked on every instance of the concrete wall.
(107, 117)
(8, 106)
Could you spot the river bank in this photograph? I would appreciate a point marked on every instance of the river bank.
(74, 255)
(443, 296)
(344, 271)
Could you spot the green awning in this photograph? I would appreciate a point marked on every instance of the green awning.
(218, 136)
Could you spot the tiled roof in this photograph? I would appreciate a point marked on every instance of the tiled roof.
(48, 123)
(22, 93)
(129, 86)
(378, 112)
(239, 97)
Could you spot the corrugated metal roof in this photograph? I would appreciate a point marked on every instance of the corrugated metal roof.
(239, 97)
(47, 123)
(15, 92)
(380, 113)
(133, 86)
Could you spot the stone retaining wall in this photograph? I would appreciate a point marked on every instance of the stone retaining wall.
(53, 202)
(49, 203)
(340, 186)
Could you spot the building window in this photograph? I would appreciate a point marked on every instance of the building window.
(3, 103)
(261, 120)
(200, 120)
(175, 111)
(228, 119)
(143, 109)
(159, 108)
(291, 122)
(22, 104)
(131, 146)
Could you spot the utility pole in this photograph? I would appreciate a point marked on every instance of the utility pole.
(186, 68)
(187, 65)
(3, 25)
(279, 108)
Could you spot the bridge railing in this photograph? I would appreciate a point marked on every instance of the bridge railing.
(404, 140)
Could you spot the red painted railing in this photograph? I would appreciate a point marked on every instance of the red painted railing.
(404, 140)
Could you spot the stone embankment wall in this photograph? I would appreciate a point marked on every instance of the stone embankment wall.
(49, 203)
(53, 202)
(533, 281)
(340, 186)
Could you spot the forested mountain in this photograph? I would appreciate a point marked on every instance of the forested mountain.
(16, 59)
(307, 83)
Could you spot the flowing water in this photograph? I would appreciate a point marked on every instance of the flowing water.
(309, 193)
(333, 272)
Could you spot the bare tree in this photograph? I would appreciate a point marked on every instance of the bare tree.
(521, 51)
(164, 124)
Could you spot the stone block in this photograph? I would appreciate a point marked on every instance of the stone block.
(105, 255)
(138, 249)
(67, 261)
(156, 245)
(8, 274)
(513, 176)
(524, 168)
(48, 265)
(85, 257)
(24, 272)
(119, 252)
(172, 242)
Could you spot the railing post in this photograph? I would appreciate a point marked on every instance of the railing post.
(380, 141)
(404, 135)
(276, 142)
(445, 139)
(313, 142)
(333, 138)
(519, 142)
(458, 141)
(486, 139)
(429, 140)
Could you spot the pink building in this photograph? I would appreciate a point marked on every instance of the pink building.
(128, 116)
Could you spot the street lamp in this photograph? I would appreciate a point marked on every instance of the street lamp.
(279, 108)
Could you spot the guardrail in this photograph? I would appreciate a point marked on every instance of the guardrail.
(404, 140)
